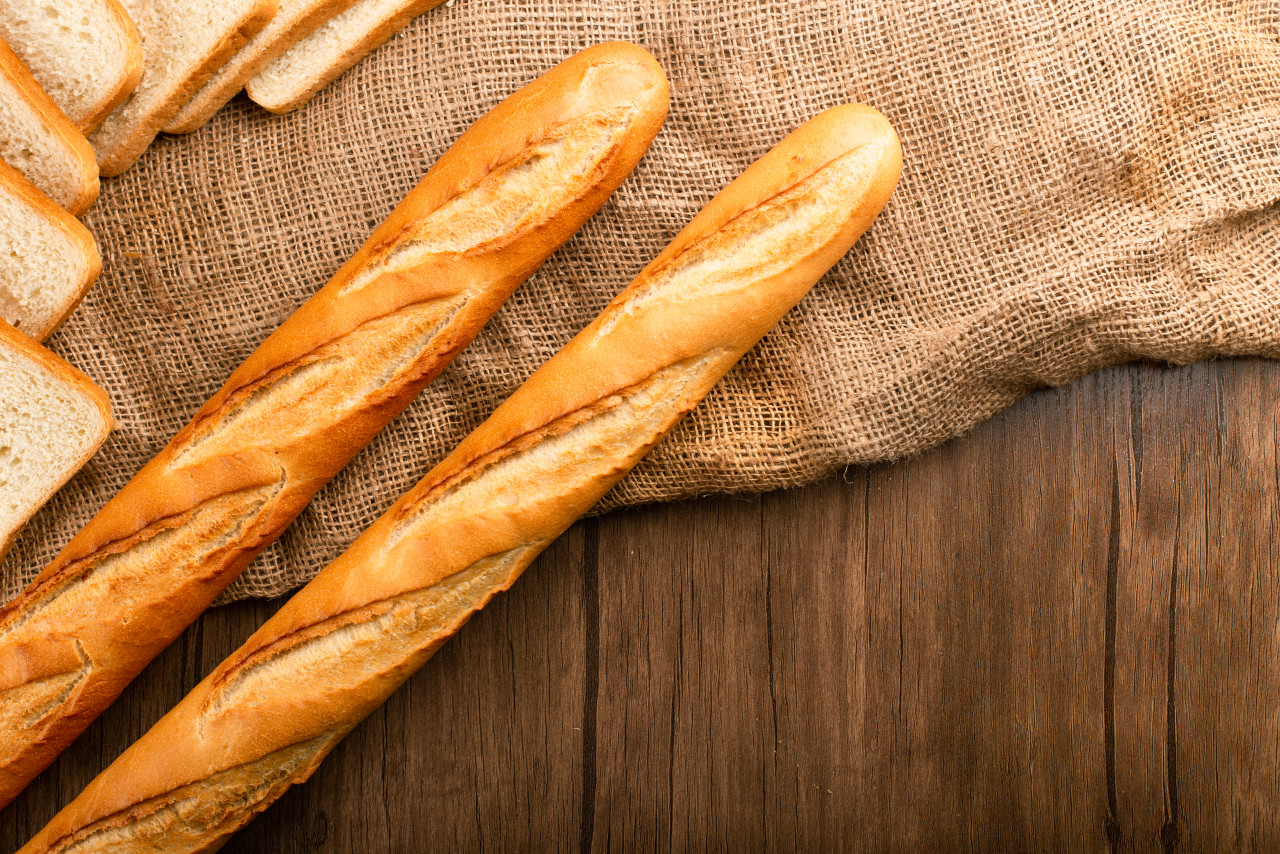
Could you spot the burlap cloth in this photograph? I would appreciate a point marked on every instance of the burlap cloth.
(1084, 184)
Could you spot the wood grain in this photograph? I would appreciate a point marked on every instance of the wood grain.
(1058, 632)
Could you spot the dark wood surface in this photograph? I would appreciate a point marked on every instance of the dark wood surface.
(1056, 633)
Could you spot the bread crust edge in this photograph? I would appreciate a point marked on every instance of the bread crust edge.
(68, 373)
(80, 238)
(302, 94)
(59, 125)
(130, 70)
(125, 152)
(215, 94)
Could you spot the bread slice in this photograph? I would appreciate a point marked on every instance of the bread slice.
(294, 77)
(183, 43)
(85, 53)
(38, 140)
(48, 259)
(52, 420)
(296, 20)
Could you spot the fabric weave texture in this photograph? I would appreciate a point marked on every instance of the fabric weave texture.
(1085, 183)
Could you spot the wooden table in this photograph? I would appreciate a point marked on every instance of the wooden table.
(1057, 632)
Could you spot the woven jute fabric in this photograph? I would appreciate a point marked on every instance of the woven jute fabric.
(1085, 183)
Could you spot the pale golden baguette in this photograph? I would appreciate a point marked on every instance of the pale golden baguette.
(267, 716)
(509, 192)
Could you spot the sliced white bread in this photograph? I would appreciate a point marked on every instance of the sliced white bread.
(294, 77)
(52, 420)
(296, 20)
(85, 53)
(38, 140)
(183, 43)
(48, 259)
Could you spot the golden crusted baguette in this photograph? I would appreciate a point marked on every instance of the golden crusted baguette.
(267, 716)
(512, 190)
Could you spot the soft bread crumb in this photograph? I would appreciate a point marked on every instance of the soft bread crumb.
(292, 78)
(295, 21)
(77, 49)
(180, 38)
(42, 271)
(48, 426)
(30, 145)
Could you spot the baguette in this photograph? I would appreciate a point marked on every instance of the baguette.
(509, 192)
(85, 53)
(38, 140)
(48, 259)
(183, 43)
(296, 75)
(266, 717)
(296, 20)
(52, 420)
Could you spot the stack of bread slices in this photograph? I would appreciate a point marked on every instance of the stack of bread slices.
(85, 87)
(122, 71)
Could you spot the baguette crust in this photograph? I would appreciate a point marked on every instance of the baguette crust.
(513, 188)
(130, 69)
(83, 169)
(13, 340)
(268, 715)
(294, 22)
(305, 88)
(80, 238)
(127, 132)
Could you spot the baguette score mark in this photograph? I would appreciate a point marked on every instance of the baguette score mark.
(511, 199)
(196, 813)
(317, 392)
(596, 444)
(757, 244)
(389, 638)
(326, 382)
(348, 651)
(182, 543)
(186, 546)
(24, 707)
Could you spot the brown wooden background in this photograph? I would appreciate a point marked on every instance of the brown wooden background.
(1059, 632)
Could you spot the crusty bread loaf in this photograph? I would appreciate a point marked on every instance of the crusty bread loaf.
(42, 143)
(52, 420)
(183, 43)
(267, 716)
(296, 20)
(48, 259)
(513, 188)
(296, 75)
(86, 54)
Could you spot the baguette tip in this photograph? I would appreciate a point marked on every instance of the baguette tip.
(848, 127)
